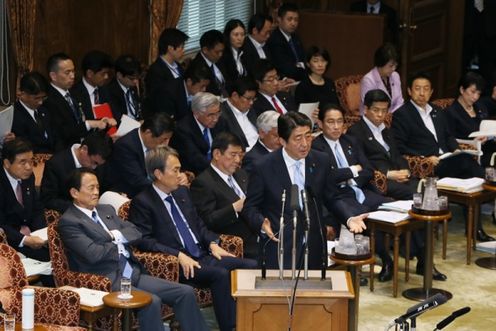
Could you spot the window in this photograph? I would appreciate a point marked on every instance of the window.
(199, 16)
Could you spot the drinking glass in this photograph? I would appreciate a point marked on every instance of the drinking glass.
(125, 288)
(9, 322)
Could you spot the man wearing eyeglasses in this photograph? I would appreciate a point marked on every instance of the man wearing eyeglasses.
(237, 111)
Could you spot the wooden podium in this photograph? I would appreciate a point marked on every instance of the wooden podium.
(268, 309)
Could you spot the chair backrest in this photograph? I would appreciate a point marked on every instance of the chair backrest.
(3, 237)
(39, 160)
(443, 103)
(348, 91)
(123, 211)
(12, 280)
(58, 256)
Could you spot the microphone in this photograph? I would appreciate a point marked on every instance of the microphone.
(294, 203)
(457, 313)
(323, 266)
(420, 308)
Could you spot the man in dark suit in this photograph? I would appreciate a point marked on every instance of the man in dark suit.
(219, 192)
(67, 116)
(167, 219)
(255, 47)
(31, 119)
(380, 147)
(211, 50)
(351, 173)
(20, 209)
(166, 71)
(295, 164)
(97, 67)
(271, 91)
(126, 169)
(240, 119)
(91, 153)
(97, 242)
(124, 91)
(285, 47)
(421, 129)
(377, 7)
(195, 133)
(268, 139)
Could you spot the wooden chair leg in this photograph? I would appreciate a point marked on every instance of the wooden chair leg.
(445, 238)
(408, 237)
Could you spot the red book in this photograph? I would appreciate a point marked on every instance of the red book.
(103, 110)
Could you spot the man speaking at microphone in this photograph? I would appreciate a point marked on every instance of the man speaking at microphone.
(294, 164)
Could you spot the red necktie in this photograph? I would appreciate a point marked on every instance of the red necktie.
(277, 107)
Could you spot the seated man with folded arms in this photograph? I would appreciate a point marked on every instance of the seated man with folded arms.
(380, 148)
(268, 139)
(169, 223)
(219, 192)
(98, 242)
(91, 153)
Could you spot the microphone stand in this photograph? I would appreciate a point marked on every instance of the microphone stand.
(307, 228)
(281, 236)
(293, 253)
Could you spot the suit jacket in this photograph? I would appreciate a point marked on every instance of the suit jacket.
(90, 247)
(232, 124)
(150, 215)
(214, 86)
(126, 169)
(268, 179)
(188, 141)
(254, 155)
(380, 159)
(250, 54)
(283, 57)
(13, 215)
(228, 63)
(62, 118)
(57, 170)
(117, 100)
(413, 137)
(213, 199)
(391, 19)
(261, 104)
(80, 93)
(460, 123)
(43, 140)
(372, 80)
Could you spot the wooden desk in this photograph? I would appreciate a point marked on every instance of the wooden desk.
(472, 201)
(90, 314)
(140, 299)
(37, 327)
(426, 291)
(354, 266)
(314, 310)
(396, 230)
(487, 262)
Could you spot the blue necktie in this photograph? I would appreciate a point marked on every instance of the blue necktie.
(230, 180)
(299, 180)
(131, 103)
(182, 228)
(207, 140)
(127, 270)
(293, 49)
(343, 163)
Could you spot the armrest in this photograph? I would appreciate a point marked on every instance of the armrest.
(160, 265)
(81, 279)
(420, 166)
(56, 306)
(380, 181)
(232, 244)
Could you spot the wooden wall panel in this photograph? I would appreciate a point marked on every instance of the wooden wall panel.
(75, 27)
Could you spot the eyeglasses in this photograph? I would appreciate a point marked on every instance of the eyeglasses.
(249, 99)
(272, 79)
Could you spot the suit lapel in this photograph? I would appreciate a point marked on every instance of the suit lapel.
(281, 171)
(370, 137)
(222, 185)
(156, 201)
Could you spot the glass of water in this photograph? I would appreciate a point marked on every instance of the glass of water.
(125, 288)
(417, 200)
(9, 322)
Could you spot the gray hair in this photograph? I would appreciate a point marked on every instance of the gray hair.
(157, 159)
(267, 120)
(204, 100)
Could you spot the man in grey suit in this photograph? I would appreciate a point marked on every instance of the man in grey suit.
(98, 242)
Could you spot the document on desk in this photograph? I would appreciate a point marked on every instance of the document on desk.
(388, 216)
(35, 267)
(468, 185)
(88, 297)
(401, 206)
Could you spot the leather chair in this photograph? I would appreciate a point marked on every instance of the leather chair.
(55, 309)
(230, 243)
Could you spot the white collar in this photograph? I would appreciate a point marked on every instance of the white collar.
(73, 152)
(372, 126)
(422, 111)
(256, 43)
(209, 63)
(224, 176)
(290, 162)
(91, 89)
(61, 91)
(287, 36)
(87, 212)
(235, 110)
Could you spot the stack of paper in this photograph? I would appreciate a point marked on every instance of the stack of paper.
(35, 267)
(401, 206)
(460, 151)
(42, 233)
(88, 297)
(388, 216)
(469, 185)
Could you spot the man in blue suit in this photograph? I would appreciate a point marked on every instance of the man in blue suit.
(295, 163)
(169, 223)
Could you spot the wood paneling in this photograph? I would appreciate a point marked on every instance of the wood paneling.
(76, 27)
